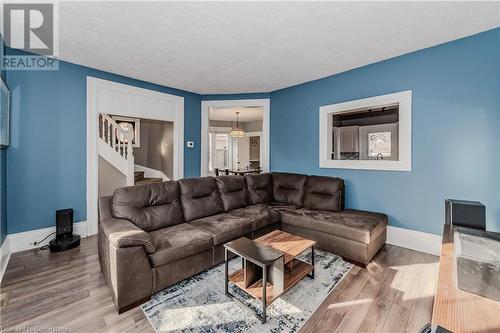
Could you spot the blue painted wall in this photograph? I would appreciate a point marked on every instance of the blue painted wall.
(47, 156)
(456, 125)
(3, 174)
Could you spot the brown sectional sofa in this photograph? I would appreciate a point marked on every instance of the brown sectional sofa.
(154, 235)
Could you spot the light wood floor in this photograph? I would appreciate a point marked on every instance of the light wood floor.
(67, 290)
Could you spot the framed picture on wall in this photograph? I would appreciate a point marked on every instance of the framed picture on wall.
(131, 126)
(4, 115)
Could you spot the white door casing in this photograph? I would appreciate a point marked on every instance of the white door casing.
(121, 99)
(264, 140)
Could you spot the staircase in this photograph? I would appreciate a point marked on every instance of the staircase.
(139, 179)
(118, 152)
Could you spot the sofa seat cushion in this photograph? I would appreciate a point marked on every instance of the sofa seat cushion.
(260, 215)
(223, 227)
(177, 242)
(281, 207)
(351, 224)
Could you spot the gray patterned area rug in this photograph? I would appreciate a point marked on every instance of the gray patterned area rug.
(199, 304)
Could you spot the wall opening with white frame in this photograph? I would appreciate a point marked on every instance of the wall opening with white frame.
(371, 133)
(124, 100)
(206, 106)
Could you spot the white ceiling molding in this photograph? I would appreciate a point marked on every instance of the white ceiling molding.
(237, 47)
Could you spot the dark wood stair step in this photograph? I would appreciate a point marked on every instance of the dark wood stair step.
(138, 176)
(148, 181)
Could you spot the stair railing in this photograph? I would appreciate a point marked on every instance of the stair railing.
(119, 140)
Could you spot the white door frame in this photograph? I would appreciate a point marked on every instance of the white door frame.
(264, 147)
(121, 99)
(215, 130)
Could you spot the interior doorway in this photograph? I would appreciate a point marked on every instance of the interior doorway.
(234, 136)
(114, 109)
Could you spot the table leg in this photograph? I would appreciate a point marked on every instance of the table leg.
(226, 289)
(311, 275)
(264, 290)
(226, 274)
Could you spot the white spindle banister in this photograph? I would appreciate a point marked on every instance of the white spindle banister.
(110, 135)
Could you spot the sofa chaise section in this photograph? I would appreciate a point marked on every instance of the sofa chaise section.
(355, 235)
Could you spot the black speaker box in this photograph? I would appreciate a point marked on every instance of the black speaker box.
(470, 214)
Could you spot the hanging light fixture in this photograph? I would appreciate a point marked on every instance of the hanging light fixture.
(237, 131)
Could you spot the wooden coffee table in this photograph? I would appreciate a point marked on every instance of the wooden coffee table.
(271, 261)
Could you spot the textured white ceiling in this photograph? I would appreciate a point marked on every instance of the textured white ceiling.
(229, 114)
(232, 47)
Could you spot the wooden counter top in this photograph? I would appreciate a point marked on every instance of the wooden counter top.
(455, 309)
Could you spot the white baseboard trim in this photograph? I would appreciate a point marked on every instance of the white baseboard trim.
(415, 240)
(24, 240)
(4, 256)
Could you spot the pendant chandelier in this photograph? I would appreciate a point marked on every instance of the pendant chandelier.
(237, 131)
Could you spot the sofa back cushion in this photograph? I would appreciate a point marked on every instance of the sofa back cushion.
(288, 188)
(233, 191)
(150, 206)
(200, 197)
(325, 193)
(260, 187)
